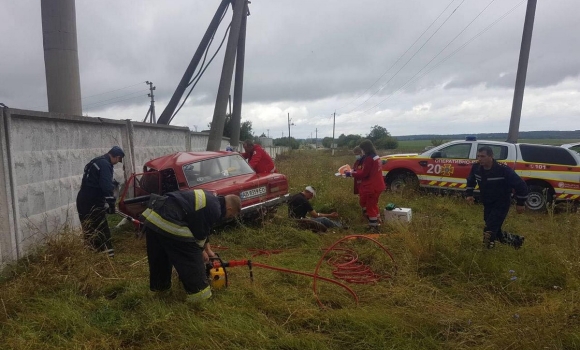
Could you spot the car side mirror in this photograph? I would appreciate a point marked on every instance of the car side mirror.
(436, 155)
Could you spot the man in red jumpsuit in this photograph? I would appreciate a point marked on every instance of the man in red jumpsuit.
(257, 158)
(371, 184)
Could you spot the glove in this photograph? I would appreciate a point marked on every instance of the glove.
(111, 202)
(347, 174)
(116, 183)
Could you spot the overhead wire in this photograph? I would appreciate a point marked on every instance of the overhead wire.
(98, 103)
(448, 56)
(398, 59)
(99, 94)
(409, 60)
(203, 68)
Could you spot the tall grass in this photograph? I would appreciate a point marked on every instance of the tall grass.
(448, 292)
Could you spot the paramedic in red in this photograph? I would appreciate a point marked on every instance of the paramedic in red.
(371, 182)
(257, 158)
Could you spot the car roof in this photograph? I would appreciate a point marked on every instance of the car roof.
(181, 158)
(570, 145)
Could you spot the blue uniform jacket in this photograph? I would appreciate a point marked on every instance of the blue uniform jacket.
(98, 177)
(496, 184)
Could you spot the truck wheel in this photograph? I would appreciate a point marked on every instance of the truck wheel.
(403, 181)
(538, 198)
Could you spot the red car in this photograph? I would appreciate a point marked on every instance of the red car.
(219, 172)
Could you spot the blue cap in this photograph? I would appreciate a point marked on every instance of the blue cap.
(116, 151)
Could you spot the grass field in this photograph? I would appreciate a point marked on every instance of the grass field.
(445, 291)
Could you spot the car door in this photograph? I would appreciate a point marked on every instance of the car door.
(449, 166)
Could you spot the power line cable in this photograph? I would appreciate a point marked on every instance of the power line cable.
(409, 60)
(99, 94)
(202, 70)
(130, 98)
(448, 56)
(398, 59)
(114, 98)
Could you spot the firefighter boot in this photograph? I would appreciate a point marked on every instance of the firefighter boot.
(487, 242)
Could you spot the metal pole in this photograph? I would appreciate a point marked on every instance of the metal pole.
(288, 127)
(239, 83)
(522, 71)
(333, 124)
(152, 107)
(165, 116)
(221, 103)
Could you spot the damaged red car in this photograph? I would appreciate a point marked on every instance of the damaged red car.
(219, 172)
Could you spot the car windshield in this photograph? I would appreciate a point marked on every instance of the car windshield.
(215, 169)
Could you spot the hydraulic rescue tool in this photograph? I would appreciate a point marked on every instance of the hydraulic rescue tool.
(217, 273)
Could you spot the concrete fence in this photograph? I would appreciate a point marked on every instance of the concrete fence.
(42, 157)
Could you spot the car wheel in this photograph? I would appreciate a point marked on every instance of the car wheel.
(404, 181)
(538, 198)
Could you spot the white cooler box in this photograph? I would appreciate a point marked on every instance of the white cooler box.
(402, 214)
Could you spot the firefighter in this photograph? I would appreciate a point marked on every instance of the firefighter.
(177, 226)
(95, 199)
(496, 182)
(257, 158)
(371, 183)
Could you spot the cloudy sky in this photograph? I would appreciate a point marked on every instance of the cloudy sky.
(413, 67)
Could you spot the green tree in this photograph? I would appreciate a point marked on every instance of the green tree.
(388, 142)
(284, 141)
(327, 142)
(245, 128)
(349, 141)
(377, 133)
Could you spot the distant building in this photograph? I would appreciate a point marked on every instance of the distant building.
(266, 142)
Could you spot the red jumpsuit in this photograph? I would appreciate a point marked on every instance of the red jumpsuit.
(371, 186)
(259, 160)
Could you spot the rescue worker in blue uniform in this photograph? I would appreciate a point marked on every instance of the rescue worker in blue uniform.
(96, 198)
(177, 226)
(496, 182)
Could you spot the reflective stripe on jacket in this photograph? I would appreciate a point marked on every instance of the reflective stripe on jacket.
(174, 214)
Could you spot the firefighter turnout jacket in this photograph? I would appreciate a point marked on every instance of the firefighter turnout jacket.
(184, 215)
(496, 184)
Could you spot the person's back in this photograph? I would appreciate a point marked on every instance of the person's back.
(258, 158)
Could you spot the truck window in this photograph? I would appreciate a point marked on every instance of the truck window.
(547, 154)
(457, 151)
(500, 152)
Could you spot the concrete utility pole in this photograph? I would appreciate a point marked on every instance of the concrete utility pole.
(167, 113)
(316, 142)
(61, 59)
(151, 112)
(522, 71)
(239, 82)
(221, 103)
(333, 123)
(289, 123)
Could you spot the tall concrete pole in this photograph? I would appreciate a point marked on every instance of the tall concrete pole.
(221, 103)
(61, 59)
(522, 71)
(239, 82)
(165, 117)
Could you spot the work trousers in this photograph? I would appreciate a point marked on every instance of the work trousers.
(494, 215)
(370, 201)
(92, 214)
(164, 253)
